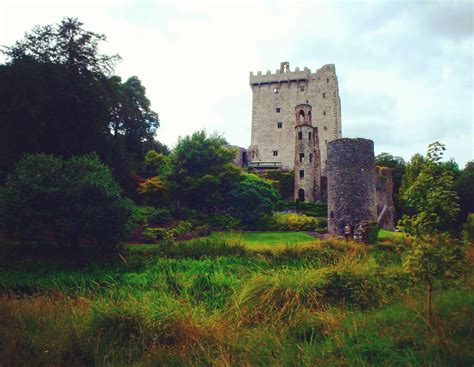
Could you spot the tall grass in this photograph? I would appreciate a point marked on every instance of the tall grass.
(326, 303)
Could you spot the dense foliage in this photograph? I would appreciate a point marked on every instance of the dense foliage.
(58, 97)
(430, 197)
(73, 200)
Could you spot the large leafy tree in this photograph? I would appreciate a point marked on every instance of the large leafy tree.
(74, 200)
(431, 201)
(202, 171)
(66, 43)
(464, 186)
(252, 198)
(58, 96)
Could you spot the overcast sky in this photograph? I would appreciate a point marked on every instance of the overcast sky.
(405, 69)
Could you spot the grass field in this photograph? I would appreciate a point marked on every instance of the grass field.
(266, 240)
(218, 302)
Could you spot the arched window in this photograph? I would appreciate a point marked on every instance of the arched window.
(311, 157)
(301, 195)
(301, 116)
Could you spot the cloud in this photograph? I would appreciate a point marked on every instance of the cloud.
(404, 68)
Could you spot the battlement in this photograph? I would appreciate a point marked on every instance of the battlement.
(284, 74)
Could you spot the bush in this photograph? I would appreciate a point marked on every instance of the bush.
(316, 209)
(68, 200)
(298, 222)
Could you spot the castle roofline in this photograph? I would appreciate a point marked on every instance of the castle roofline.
(286, 75)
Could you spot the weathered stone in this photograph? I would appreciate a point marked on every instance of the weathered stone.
(307, 158)
(284, 90)
(351, 184)
(384, 198)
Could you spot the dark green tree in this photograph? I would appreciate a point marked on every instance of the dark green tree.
(251, 199)
(74, 200)
(65, 43)
(202, 172)
(464, 186)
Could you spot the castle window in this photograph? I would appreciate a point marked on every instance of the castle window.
(309, 136)
(300, 135)
(275, 153)
(325, 128)
(301, 173)
(301, 157)
(278, 109)
(332, 214)
(276, 90)
(311, 157)
(302, 88)
(324, 113)
(324, 95)
(279, 125)
(327, 80)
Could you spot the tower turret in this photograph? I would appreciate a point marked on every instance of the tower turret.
(307, 156)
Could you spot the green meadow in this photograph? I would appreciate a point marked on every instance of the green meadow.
(230, 299)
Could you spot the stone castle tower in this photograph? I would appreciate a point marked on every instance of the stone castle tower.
(275, 97)
(307, 164)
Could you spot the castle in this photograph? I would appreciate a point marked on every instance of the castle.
(273, 143)
(296, 125)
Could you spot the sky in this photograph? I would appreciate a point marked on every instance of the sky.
(405, 68)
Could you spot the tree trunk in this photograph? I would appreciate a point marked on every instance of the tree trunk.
(428, 303)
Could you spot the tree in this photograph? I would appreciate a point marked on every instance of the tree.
(73, 199)
(434, 259)
(57, 96)
(464, 186)
(252, 198)
(431, 198)
(65, 43)
(202, 172)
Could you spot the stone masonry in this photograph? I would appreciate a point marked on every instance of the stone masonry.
(384, 198)
(351, 184)
(307, 159)
(274, 99)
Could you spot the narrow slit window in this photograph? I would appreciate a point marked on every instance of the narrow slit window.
(279, 125)
(301, 173)
(310, 136)
(300, 135)
(301, 157)
(275, 153)
(324, 113)
(311, 157)
(327, 80)
(278, 109)
(324, 95)
(325, 128)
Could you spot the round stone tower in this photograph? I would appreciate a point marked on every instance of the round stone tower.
(307, 159)
(351, 183)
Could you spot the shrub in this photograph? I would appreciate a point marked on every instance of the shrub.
(73, 199)
(297, 222)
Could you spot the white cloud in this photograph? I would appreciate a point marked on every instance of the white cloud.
(403, 82)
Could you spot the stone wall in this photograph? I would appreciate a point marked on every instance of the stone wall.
(351, 183)
(241, 156)
(384, 197)
(284, 90)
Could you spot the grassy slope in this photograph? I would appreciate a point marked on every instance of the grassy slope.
(325, 303)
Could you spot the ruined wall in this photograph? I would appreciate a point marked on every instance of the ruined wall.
(284, 90)
(241, 156)
(351, 183)
(384, 197)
